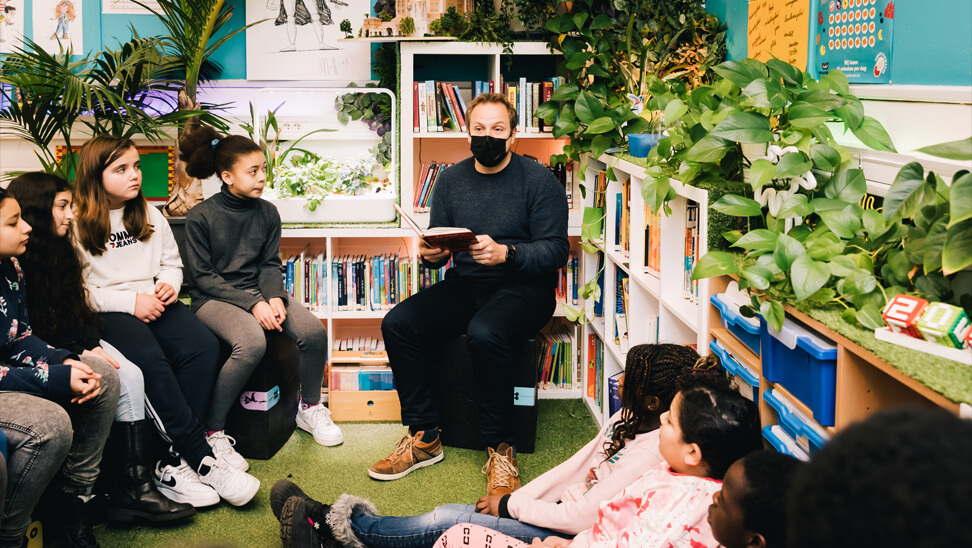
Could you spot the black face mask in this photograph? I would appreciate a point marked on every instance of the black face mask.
(488, 150)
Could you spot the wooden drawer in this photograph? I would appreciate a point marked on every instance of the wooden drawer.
(365, 406)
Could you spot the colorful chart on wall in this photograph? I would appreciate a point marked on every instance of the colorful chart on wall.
(58, 25)
(158, 169)
(854, 37)
(778, 28)
(299, 40)
(11, 25)
(128, 7)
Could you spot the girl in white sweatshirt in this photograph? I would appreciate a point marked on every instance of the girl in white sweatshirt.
(133, 273)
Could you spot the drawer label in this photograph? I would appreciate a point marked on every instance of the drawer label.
(524, 396)
(260, 401)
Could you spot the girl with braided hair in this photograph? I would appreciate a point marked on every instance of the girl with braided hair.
(561, 502)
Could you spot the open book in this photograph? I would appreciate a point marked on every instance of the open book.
(451, 238)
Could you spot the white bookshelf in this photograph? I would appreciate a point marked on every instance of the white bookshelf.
(657, 309)
(451, 146)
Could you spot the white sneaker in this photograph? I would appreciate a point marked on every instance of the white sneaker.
(317, 420)
(181, 484)
(223, 449)
(235, 486)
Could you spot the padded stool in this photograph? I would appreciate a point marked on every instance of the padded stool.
(264, 414)
(457, 394)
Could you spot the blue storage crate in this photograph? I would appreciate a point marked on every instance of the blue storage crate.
(803, 363)
(783, 443)
(747, 381)
(745, 329)
(801, 428)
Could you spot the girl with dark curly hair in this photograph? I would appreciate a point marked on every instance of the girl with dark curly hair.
(561, 502)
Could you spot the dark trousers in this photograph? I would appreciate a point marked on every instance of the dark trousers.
(492, 316)
(179, 359)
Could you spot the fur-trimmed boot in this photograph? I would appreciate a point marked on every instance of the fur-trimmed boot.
(306, 522)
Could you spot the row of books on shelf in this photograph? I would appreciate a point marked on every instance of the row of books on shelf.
(690, 287)
(557, 359)
(568, 279)
(621, 310)
(356, 282)
(360, 364)
(622, 220)
(595, 370)
(428, 176)
(652, 242)
(441, 106)
(361, 378)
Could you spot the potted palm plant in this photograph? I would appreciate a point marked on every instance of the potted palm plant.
(189, 45)
(123, 92)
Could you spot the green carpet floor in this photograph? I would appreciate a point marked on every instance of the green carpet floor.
(564, 426)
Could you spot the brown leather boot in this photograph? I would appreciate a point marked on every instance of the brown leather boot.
(411, 454)
(502, 475)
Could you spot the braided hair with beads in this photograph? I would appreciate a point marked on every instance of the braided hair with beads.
(649, 370)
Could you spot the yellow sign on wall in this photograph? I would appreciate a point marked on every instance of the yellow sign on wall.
(781, 29)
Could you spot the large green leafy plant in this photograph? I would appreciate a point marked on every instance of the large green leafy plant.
(840, 254)
(774, 107)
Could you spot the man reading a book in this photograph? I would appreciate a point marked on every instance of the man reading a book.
(500, 290)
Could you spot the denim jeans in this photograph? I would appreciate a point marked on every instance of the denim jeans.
(131, 398)
(423, 530)
(45, 436)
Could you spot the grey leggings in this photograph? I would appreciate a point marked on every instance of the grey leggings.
(43, 437)
(245, 336)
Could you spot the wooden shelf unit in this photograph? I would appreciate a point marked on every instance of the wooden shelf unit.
(865, 383)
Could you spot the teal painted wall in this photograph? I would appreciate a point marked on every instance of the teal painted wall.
(932, 39)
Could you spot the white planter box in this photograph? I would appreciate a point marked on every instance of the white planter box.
(369, 208)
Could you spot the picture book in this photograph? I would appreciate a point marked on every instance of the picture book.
(451, 238)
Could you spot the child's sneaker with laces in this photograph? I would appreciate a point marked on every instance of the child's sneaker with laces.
(223, 449)
(181, 484)
(234, 486)
(316, 419)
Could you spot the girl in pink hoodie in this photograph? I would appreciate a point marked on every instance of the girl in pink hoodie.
(708, 427)
(562, 502)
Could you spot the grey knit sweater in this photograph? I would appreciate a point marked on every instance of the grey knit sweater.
(233, 251)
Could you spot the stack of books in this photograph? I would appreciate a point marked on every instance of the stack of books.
(378, 282)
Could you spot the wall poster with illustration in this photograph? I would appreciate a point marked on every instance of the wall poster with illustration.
(299, 40)
(58, 25)
(11, 25)
(854, 37)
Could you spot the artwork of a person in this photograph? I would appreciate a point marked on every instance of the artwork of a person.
(7, 15)
(63, 14)
(297, 12)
